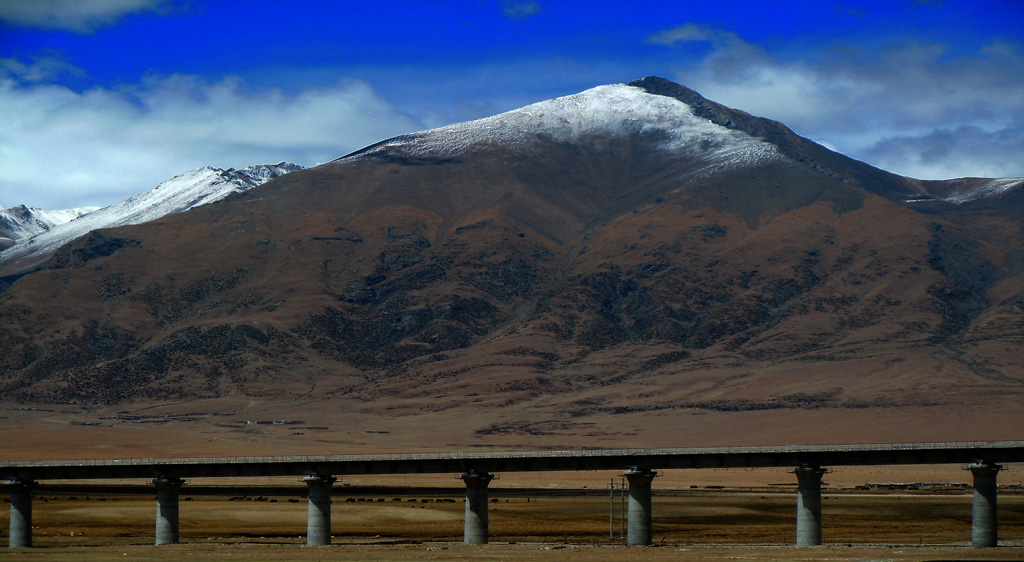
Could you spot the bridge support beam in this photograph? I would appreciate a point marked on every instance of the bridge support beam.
(640, 531)
(808, 505)
(167, 509)
(984, 526)
(475, 530)
(21, 512)
(318, 519)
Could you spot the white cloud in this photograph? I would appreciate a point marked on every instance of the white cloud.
(41, 69)
(519, 9)
(81, 16)
(941, 153)
(61, 148)
(911, 94)
(692, 32)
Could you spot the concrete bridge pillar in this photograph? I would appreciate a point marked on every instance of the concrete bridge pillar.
(167, 509)
(475, 530)
(984, 527)
(639, 532)
(808, 505)
(21, 512)
(318, 519)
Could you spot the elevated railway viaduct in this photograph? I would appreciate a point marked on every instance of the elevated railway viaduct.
(639, 466)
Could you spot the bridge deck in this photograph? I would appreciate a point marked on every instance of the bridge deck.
(521, 461)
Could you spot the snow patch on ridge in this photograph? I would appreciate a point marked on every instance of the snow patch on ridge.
(993, 188)
(612, 110)
(970, 189)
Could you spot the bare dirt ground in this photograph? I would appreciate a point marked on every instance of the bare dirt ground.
(688, 525)
(219, 428)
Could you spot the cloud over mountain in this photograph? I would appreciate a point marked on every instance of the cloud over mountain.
(909, 94)
(115, 140)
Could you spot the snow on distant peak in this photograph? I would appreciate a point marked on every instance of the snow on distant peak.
(989, 189)
(24, 222)
(183, 192)
(605, 110)
(963, 190)
(262, 173)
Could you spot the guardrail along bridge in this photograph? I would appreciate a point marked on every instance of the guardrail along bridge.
(639, 466)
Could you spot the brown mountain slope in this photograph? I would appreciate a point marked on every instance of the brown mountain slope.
(563, 278)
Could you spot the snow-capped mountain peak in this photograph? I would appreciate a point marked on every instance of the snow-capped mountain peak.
(192, 189)
(612, 110)
(21, 222)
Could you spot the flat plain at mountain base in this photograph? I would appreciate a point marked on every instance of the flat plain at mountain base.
(740, 525)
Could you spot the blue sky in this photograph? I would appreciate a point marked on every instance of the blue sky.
(102, 99)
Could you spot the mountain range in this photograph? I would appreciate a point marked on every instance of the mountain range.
(35, 234)
(21, 222)
(634, 256)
